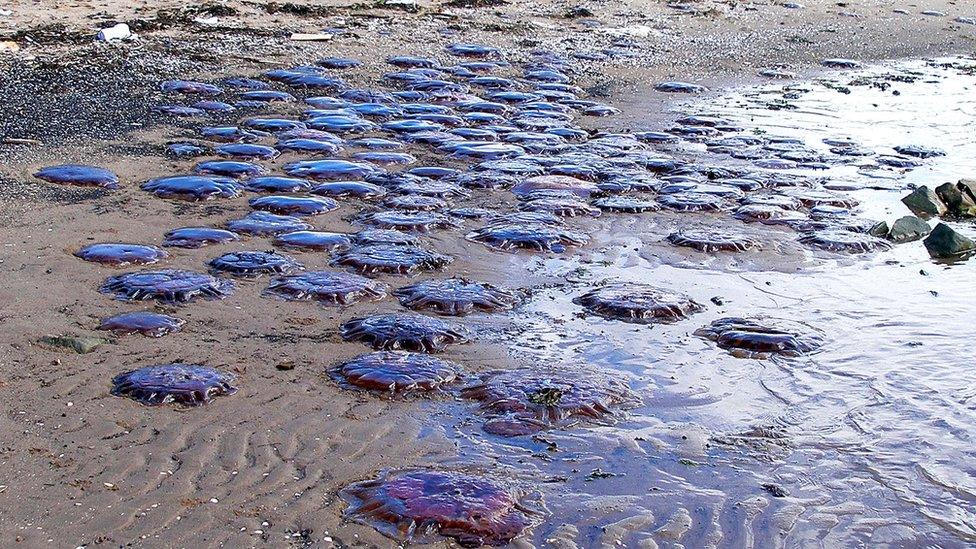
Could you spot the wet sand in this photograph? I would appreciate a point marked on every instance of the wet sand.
(264, 466)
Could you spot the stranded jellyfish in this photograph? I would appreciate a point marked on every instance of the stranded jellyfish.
(391, 258)
(193, 187)
(537, 236)
(187, 384)
(762, 337)
(415, 202)
(397, 372)
(327, 288)
(414, 506)
(120, 254)
(267, 223)
(167, 285)
(197, 237)
(189, 87)
(408, 332)
(712, 240)
(359, 189)
(840, 240)
(80, 175)
(414, 221)
(561, 206)
(252, 263)
(522, 402)
(293, 205)
(690, 201)
(277, 184)
(626, 204)
(143, 322)
(455, 297)
(331, 169)
(679, 87)
(637, 303)
(566, 183)
(366, 237)
(314, 240)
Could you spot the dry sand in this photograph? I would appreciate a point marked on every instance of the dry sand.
(80, 467)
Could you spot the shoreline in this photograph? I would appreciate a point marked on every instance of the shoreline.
(286, 431)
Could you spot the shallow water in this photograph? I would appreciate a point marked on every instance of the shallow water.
(870, 437)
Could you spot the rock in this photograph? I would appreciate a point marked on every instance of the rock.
(880, 230)
(924, 203)
(908, 228)
(957, 203)
(945, 242)
(78, 344)
(967, 187)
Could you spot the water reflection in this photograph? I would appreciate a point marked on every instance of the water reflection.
(868, 441)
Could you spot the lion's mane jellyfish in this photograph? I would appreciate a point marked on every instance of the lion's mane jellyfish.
(167, 285)
(391, 259)
(626, 204)
(228, 168)
(408, 332)
(414, 506)
(578, 187)
(414, 221)
(522, 402)
(690, 201)
(840, 240)
(79, 175)
(397, 372)
(713, 240)
(455, 297)
(543, 237)
(254, 263)
(293, 205)
(120, 254)
(762, 337)
(637, 303)
(561, 206)
(266, 223)
(327, 288)
(187, 384)
(197, 237)
(146, 323)
(314, 240)
(193, 187)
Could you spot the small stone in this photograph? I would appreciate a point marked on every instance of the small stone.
(924, 203)
(945, 242)
(880, 230)
(957, 203)
(285, 366)
(908, 229)
(78, 344)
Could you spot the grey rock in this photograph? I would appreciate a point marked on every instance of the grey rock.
(78, 344)
(908, 228)
(924, 203)
(957, 203)
(945, 242)
(880, 230)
